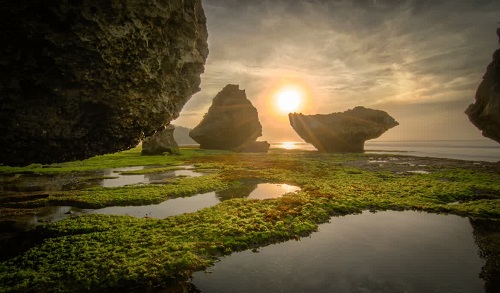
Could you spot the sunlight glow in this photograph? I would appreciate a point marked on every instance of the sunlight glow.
(288, 100)
(288, 145)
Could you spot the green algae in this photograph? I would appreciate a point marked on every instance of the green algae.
(99, 252)
(127, 158)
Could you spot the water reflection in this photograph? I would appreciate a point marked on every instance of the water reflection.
(253, 190)
(179, 206)
(39, 216)
(268, 190)
(17, 234)
(37, 183)
(168, 208)
(293, 145)
(165, 209)
(240, 191)
(487, 237)
(382, 252)
(120, 178)
(80, 180)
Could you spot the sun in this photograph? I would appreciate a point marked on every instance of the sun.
(288, 100)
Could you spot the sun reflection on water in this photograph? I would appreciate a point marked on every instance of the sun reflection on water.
(288, 145)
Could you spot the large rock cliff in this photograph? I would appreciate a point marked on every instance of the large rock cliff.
(88, 77)
(484, 113)
(232, 123)
(342, 132)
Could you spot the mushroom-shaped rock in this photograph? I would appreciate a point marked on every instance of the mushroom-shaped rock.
(342, 132)
(160, 142)
(484, 113)
(232, 123)
(83, 78)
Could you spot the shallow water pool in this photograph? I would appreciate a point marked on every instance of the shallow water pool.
(382, 252)
(177, 206)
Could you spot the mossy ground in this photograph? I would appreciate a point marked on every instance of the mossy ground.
(99, 252)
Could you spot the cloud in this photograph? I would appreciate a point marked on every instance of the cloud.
(388, 54)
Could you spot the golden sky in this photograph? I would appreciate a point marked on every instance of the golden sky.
(419, 60)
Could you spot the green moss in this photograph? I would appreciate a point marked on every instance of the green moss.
(152, 170)
(127, 158)
(99, 252)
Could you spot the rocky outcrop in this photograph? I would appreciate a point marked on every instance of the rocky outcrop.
(342, 132)
(232, 122)
(256, 147)
(484, 113)
(160, 142)
(82, 78)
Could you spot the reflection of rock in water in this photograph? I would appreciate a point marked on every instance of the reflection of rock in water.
(252, 189)
(47, 182)
(487, 238)
(27, 183)
(12, 244)
(240, 191)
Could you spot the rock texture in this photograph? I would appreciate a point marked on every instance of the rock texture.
(232, 123)
(82, 78)
(160, 142)
(342, 132)
(484, 113)
(256, 147)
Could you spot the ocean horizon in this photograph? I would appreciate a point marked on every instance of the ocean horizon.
(470, 150)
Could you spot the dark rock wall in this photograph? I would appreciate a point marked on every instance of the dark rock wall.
(81, 78)
(484, 113)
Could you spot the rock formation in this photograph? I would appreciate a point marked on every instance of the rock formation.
(342, 132)
(160, 142)
(232, 123)
(82, 78)
(256, 147)
(484, 113)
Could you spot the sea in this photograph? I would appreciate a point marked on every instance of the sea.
(470, 150)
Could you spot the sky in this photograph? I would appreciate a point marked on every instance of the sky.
(421, 61)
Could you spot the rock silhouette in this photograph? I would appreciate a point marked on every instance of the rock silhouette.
(160, 142)
(232, 123)
(484, 113)
(83, 78)
(487, 237)
(342, 132)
